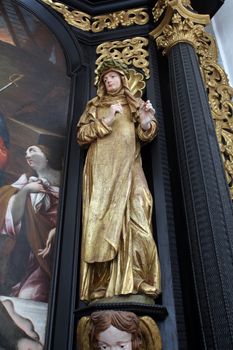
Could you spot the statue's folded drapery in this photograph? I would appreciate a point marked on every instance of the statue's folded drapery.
(119, 255)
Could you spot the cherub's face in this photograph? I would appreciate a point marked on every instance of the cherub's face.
(112, 81)
(114, 339)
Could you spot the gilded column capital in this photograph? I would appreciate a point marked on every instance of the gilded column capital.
(180, 24)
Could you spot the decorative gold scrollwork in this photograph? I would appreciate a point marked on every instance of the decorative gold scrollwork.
(120, 18)
(129, 51)
(220, 95)
(96, 24)
(75, 18)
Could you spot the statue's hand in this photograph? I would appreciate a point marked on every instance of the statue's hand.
(116, 108)
(146, 113)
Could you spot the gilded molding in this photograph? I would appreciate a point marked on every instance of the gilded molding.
(161, 6)
(159, 9)
(96, 24)
(179, 25)
(75, 18)
(131, 52)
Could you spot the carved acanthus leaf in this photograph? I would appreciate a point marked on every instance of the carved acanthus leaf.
(180, 30)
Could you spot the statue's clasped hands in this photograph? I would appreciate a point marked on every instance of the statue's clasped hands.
(113, 110)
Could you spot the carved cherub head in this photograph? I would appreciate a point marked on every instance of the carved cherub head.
(115, 329)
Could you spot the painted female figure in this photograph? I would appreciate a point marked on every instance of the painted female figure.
(119, 255)
(29, 212)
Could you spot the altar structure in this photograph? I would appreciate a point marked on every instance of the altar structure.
(188, 167)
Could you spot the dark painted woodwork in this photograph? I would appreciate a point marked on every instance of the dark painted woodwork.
(182, 272)
(208, 206)
(95, 8)
(99, 7)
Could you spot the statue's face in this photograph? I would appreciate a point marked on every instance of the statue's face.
(112, 81)
(114, 339)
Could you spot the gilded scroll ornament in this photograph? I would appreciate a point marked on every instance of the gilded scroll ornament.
(130, 52)
(143, 332)
(220, 95)
(96, 24)
(75, 18)
(120, 18)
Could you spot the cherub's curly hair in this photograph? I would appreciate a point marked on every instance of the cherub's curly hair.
(122, 320)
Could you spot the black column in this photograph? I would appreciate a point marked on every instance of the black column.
(206, 198)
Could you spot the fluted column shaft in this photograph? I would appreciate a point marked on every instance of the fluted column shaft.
(206, 197)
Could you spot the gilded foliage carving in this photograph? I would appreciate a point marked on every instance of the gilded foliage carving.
(96, 24)
(131, 52)
(220, 95)
(179, 30)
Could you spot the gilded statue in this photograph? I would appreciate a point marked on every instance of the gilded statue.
(118, 254)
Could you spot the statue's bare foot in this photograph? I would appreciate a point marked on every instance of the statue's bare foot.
(147, 289)
(23, 323)
(28, 344)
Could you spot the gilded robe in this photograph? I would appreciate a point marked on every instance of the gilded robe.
(118, 249)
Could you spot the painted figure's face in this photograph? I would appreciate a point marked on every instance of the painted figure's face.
(36, 159)
(114, 339)
(112, 81)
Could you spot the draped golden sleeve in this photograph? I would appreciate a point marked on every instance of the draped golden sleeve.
(118, 253)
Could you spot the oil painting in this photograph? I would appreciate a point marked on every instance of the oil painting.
(34, 93)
